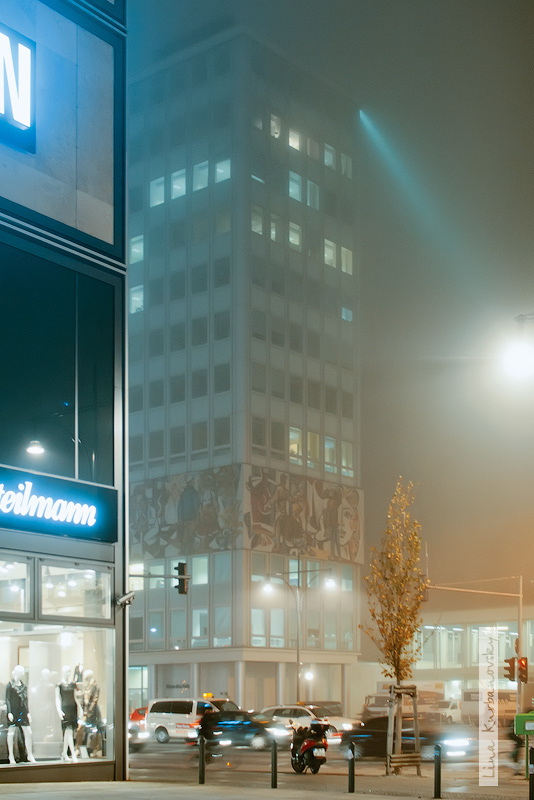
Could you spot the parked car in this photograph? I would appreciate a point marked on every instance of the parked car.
(137, 733)
(173, 718)
(238, 728)
(284, 718)
(370, 739)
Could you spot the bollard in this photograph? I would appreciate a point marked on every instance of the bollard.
(437, 770)
(351, 768)
(201, 759)
(274, 765)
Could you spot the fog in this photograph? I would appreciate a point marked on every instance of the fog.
(447, 247)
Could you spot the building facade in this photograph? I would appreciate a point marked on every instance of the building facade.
(62, 476)
(244, 377)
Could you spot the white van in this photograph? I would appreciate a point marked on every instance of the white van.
(179, 718)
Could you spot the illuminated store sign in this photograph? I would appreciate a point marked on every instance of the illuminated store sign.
(17, 89)
(42, 504)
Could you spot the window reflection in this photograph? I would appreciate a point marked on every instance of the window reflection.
(14, 587)
(67, 591)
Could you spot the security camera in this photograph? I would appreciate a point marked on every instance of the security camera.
(126, 599)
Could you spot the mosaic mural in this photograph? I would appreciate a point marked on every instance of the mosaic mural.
(245, 507)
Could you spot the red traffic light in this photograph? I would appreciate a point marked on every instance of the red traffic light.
(522, 669)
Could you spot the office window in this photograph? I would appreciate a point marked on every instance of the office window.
(221, 378)
(156, 291)
(222, 170)
(330, 630)
(155, 394)
(346, 314)
(314, 343)
(156, 342)
(178, 184)
(223, 626)
(177, 336)
(135, 398)
(256, 220)
(259, 324)
(278, 332)
(200, 176)
(313, 195)
(257, 377)
(295, 337)
(278, 437)
(258, 432)
(312, 149)
(347, 405)
(199, 436)
(295, 389)
(346, 165)
(295, 186)
(199, 627)
(177, 388)
(199, 383)
(276, 126)
(295, 236)
(277, 627)
(329, 253)
(178, 233)
(223, 220)
(199, 571)
(330, 458)
(257, 627)
(155, 444)
(199, 227)
(177, 440)
(330, 399)
(295, 445)
(221, 271)
(136, 448)
(221, 325)
(312, 441)
(177, 285)
(221, 431)
(346, 260)
(137, 299)
(278, 280)
(199, 331)
(277, 233)
(157, 192)
(199, 279)
(137, 249)
(278, 383)
(329, 156)
(314, 394)
(294, 139)
(347, 465)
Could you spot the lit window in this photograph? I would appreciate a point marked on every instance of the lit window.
(295, 445)
(157, 192)
(276, 126)
(276, 228)
(199, 627)
(256, 220)
(137, 249)
(295, 186)
(329, 253)
(329, 156)
(178, 184)
(330, 460)
(313, 195)
(199, 570)
(294, 139)
(347, 465)
(137, 298)
(313, 149)
(346, 314)
(200, 176)
(222, 170)
(295, 236)
(257, 625)
(346, 260)
(313, 449)
(223, 626)
(346, 165)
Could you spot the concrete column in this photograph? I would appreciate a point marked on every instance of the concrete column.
(345, 689)
(153, 688)
(280, 682)
(239, 674)
(195, 691)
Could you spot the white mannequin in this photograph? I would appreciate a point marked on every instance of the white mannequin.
(69, 710)
(19, 696)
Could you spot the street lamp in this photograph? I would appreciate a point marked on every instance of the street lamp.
(298, 592)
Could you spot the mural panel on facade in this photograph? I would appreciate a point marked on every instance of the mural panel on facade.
(234, 507)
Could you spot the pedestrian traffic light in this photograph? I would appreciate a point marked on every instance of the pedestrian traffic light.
(522, 669)
(509, 670)
(182, 579)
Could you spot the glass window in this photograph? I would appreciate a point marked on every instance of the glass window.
(330, 459)
(276, 126)
(347, 466)
(199, 436)
(314, 394)
(156, 342)
(295, 186)
(223, 626)
(199, 627)
(277, 627)
(222, 170)
(199, 279)
(329, 156)
(257, 627)
(346, 578)
(330, 399)
(276, 228)
(346, 165)
(157, 192)
(312, 149)
(258, 432)
(199, 383)
(329, 253)
(256, 220)
(155, 444)
(68, 591)
(178, 628)
(177, 285)
(200, 176)
(177, 336)
(313, 195)
(346, 314)
(347, 405)
(259, 325)
(346, 260)
(330, 630)
(221, 378)
(278, 438)
(177, 440)
(296, 389)
(221, 271)
(221, 431)
(221, 325)
(137, 249)
(178, 184)
(223, 220)
(155, 393)
(294, 139)
(14, 586)
(137, 298)
(295, 236)
(278, 337)
(135, 398)
(278, 383)
(199, 570)
(199, 331)
(295, 445)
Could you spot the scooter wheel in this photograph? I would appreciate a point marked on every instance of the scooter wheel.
(298, 766)
(315, 769)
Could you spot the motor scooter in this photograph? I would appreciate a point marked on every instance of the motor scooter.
(308, 747)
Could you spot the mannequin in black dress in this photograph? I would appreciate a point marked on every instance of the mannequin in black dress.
(17, 713)
(70, 711)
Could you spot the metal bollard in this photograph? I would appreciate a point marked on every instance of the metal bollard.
(201, 759)
(351, 768)
(274, 764)
(437, 770)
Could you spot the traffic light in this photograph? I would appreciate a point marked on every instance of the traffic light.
(509, 670)
(182, 579)
(522, 669)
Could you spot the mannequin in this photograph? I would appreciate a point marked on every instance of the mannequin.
(91, 714)
(69, 711)
(17, 713)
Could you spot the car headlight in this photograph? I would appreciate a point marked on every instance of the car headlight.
(279, 733)
(347, 726)
(456, 742)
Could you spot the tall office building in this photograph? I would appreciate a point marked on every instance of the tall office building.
(244, 382)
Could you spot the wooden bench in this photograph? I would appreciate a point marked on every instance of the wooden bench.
(398, 760)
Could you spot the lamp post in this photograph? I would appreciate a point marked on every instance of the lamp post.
(298, 592)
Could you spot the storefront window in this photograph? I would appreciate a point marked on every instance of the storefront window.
(57, 674)
(68, 591)
(14, 587)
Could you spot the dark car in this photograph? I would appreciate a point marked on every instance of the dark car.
(370, 739)
(238, 728)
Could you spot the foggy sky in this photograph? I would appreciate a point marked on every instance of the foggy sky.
(450, 85)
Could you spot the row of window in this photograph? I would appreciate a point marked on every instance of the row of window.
(295, 336)
(197, 386)
(175, 285)
(181, 180)
(302, 447)
(176, 336)
(175, 442)
(296, 389)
